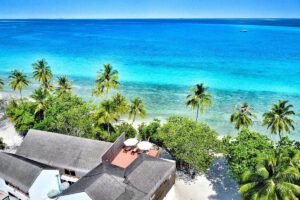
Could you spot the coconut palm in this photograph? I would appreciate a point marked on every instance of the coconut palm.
(64, 85)
(121, 103)
(107, 79)
(242, 117)
(106, 114)
(136, 108)
(278, 118)
(273, 178)
(199, 99)
(42, 73)
(18, 81)
(1, 84)
(40, 96)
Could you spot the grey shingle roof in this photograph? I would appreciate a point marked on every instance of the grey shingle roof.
(149, 172)
(105, 182)
(63, 151)
(20, 172)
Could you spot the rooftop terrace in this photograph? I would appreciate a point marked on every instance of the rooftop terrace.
(125, 158)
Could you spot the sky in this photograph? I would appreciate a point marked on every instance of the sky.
(19, 9)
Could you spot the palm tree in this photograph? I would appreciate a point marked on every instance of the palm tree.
(136, 108)
(199, 99)
(39, 96)
(278, 118)
(242, 117)
(120, 103)
(106, 80)
(1, 84)
(106, 114)
(273, 178)
(18, 81)
(42, 73)
(64, 85)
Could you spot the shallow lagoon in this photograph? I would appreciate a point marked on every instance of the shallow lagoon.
(160, 60)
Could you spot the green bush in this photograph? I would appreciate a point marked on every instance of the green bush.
(192, 144)
(150, 132)
(126, 128)
(22, 114)
(67, 114)
(243, 150)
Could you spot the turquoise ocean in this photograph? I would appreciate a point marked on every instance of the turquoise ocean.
(159, 60)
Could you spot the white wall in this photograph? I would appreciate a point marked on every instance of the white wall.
(2, 185)
(44, 183)
(78, 196)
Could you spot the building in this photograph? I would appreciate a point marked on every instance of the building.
(26, 179)
(73, 156)
(95, 170)
(144, 177)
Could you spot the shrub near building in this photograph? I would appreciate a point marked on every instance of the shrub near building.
(193, 145)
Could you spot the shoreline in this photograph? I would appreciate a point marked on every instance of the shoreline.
(217, 117)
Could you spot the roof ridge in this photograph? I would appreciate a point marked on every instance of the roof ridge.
(34, 131)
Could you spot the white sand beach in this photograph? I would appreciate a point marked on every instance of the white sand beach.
(10, 137)
(215, 185)
(7, 131)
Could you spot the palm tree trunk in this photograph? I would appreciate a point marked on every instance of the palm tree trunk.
(197, 114)
(108, 128)
(21, 96)
(133, 119)
(106, 94)
(280, 135)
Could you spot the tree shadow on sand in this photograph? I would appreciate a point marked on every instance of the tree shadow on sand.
(225, 187)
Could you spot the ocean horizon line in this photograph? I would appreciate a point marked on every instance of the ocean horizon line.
(156, 18)
(287, 22)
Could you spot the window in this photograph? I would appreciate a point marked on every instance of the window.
(70, 172)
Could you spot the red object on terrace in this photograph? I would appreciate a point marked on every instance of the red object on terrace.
(125, 158)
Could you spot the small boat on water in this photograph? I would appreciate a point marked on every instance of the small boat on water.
(244, 30)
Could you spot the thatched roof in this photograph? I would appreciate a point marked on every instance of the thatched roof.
(63, 151)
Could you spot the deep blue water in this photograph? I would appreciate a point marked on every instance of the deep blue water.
(159, 60)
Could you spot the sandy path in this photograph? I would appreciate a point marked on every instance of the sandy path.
(215, 185)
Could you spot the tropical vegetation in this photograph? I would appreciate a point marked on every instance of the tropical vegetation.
(63, 85)
(107, 79)
(106, 114)
(150, 132)
(278, 118)
(42, 73)
(275, 177)
(1, 84)
(18, 81)
(242, 151)
(264, 168)
(199, 99)
(242, 117)
(193, 145)
(136, 108)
